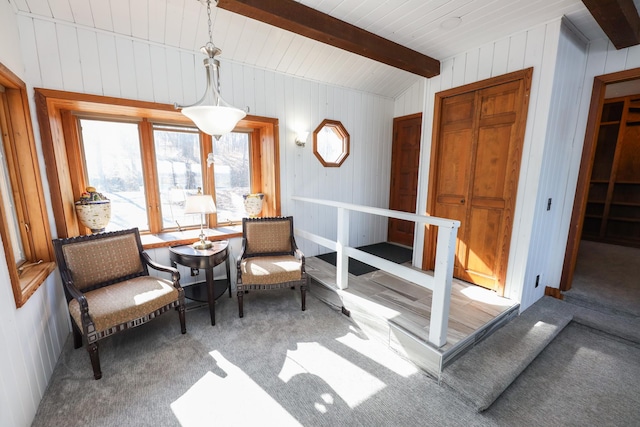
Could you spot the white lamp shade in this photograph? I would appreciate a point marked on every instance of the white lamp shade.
(214, 120)
(201, 204)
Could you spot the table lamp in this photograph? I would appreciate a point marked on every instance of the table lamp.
(202, 204)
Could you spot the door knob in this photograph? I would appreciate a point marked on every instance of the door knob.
(462, 201)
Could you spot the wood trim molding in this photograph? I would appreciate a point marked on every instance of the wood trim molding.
(342, 133)
(28, 193)
(60, 144)
(525, 76)
(553, 292)
(301, 19)
(586, 164)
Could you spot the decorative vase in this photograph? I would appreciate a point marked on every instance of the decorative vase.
(253, 204)
(94, 215)
(93, 210)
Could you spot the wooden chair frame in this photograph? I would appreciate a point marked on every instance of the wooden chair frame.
(244, 254)
(87, 329)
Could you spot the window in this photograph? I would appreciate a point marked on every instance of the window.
(231, 165)
(24, 226)
(114, 167)
(179, 167)
(9, 207)
(331, 143)
(148, 158)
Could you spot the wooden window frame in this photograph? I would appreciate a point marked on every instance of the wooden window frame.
(57, 111)
(338, 128)
(27, 275)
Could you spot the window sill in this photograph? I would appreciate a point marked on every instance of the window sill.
(175, 238)
(31, 279)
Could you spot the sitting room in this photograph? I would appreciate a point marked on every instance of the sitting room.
(240, 212)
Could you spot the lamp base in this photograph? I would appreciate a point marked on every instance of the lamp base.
(202, 244)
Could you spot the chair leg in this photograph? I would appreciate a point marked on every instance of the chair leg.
(95, 360)
(183, 326)
(303, 295)
(240, 307)
(77, 335)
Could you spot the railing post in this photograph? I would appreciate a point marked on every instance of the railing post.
(342, 259)
(442, 274)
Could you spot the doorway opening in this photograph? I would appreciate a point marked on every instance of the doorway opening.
(603, 248)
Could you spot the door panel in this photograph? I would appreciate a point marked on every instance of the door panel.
(405, 158)
(482, 239)
(476, 160)
(454, 163)
(491, 160)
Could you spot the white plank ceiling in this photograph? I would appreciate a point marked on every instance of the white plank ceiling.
(418, 24)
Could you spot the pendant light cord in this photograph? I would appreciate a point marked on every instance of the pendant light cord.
(209, 21)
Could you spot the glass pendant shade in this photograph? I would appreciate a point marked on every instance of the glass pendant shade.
(214, 120)
(211, 113)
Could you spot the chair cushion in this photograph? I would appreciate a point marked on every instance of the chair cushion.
(270, 270)
(96, 261)
(268, 236)
(125, 301)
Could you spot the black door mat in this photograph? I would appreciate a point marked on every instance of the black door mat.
(388, 251)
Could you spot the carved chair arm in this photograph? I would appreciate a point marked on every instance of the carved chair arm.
(175, 274)
(297, 252)
(67, 281)
(241, 256)
(87, 321)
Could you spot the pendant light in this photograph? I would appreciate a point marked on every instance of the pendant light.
(211, 113)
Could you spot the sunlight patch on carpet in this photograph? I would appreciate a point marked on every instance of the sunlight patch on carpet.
(384, 358)
(351, 383)
(213, 400)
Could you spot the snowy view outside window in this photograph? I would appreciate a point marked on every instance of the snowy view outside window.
(179, 172)
(114, 168)
(113, 164)
(232, 172)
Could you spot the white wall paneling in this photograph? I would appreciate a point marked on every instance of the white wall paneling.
(31, 337)
(535, 48)
(546, 252)
(410, 101)
(553, 139)
(120, 66)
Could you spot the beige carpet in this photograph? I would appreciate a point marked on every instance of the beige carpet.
(607, 278)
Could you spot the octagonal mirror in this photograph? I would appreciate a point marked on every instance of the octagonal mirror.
(331, 143)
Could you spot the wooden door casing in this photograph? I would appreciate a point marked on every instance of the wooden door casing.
(405, 160)
(475, 164)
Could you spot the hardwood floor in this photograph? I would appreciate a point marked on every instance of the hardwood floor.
(392, 309)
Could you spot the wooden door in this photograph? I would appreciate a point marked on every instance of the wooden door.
(474, 174)
(405, 159)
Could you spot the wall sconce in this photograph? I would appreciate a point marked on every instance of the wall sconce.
(301, 138)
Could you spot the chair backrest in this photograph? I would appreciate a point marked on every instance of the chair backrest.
(102, 258)
(268, 236)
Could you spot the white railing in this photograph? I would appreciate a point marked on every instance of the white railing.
(439, 283)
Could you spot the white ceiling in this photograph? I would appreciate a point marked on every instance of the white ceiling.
(415, 24)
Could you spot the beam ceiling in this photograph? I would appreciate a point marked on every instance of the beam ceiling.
(305, 21)
(619, 19)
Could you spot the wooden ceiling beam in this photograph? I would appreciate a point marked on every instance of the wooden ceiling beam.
(619, 19)
(305, 21)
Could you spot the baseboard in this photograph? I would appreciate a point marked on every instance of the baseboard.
(553, 292)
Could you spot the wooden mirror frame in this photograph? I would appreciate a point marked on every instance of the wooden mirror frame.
(336, 127)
